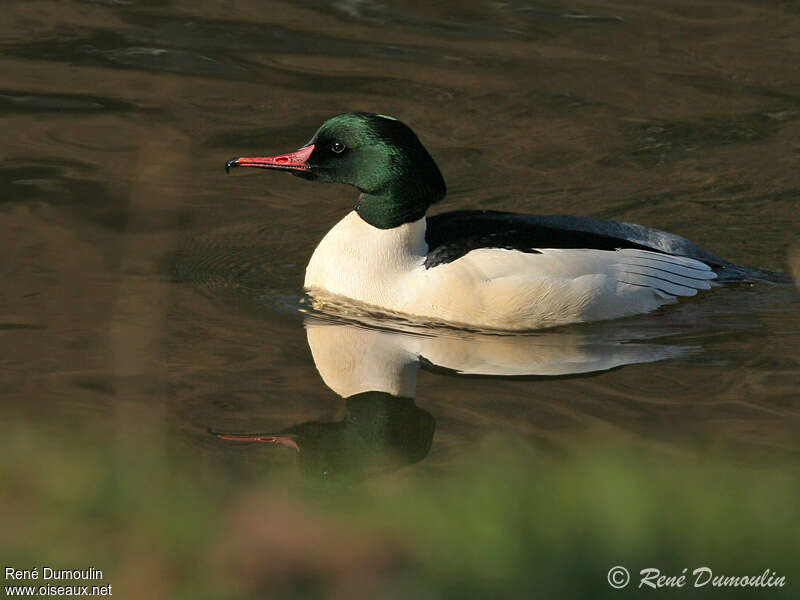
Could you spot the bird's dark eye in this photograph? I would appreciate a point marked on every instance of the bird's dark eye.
(338, 147)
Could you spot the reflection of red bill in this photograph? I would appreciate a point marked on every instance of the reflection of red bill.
(283, 440)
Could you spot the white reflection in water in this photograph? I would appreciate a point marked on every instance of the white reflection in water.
(352, 358)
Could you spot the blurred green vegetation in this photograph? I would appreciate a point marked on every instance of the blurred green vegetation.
(503, 520)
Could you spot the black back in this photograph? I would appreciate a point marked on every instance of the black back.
(451, 235)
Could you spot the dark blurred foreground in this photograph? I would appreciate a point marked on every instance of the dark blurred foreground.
(507, 522)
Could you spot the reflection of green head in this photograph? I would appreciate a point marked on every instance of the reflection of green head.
(380, 432)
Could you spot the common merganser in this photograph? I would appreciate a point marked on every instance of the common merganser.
(475, 268)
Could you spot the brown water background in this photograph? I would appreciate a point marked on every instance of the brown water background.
(147, 297)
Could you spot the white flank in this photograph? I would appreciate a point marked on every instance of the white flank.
(496, 288)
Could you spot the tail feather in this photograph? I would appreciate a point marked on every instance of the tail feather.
(672, 275)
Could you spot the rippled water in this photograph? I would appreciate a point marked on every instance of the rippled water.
(144, 290)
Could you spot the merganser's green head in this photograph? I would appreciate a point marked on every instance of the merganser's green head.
(377, 154)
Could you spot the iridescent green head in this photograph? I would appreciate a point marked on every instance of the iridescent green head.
(377, 154)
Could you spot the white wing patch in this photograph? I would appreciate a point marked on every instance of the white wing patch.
(673, 275)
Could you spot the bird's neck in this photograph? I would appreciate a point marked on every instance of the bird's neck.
(405, 196)
(383, 212)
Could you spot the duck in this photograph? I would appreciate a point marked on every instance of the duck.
(480, 269)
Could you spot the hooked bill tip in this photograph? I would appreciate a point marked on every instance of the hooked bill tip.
(233, 162)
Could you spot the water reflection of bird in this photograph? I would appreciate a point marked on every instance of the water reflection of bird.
(375, 371)
(379, 432)
(483, 269)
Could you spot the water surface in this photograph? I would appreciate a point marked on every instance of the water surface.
(149, 301)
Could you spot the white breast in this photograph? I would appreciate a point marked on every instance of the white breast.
(361, 262)
(495, 288)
